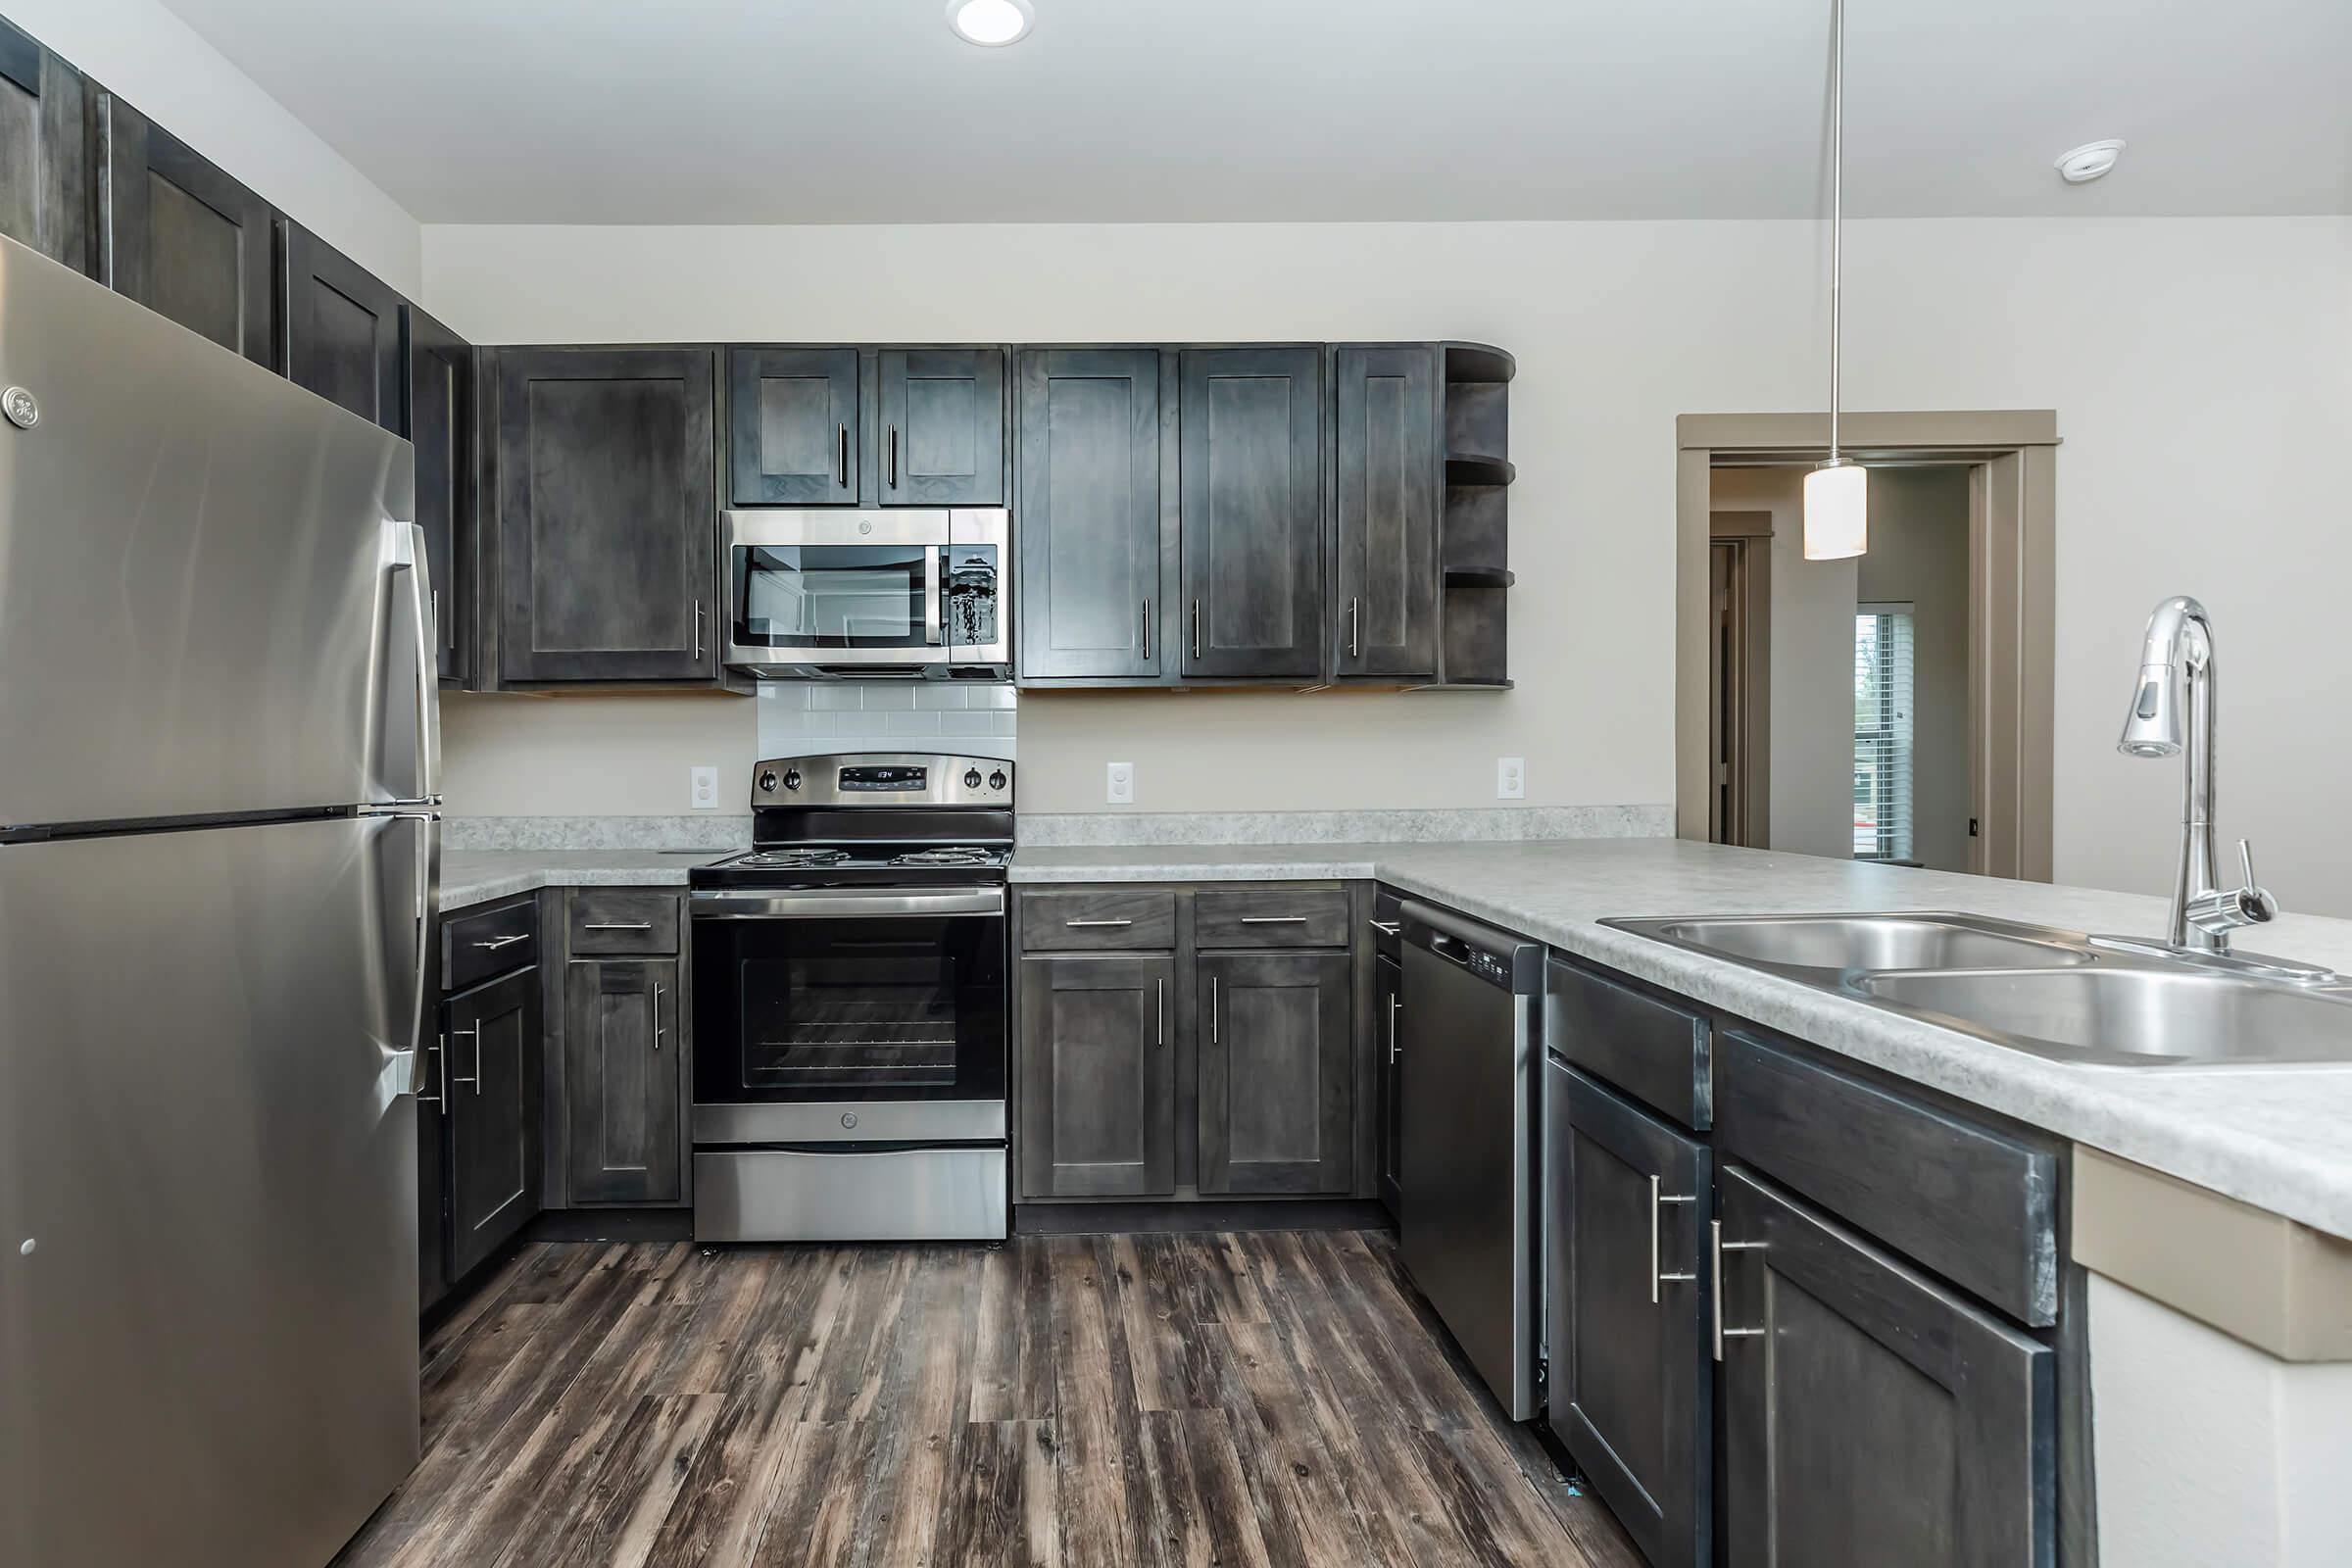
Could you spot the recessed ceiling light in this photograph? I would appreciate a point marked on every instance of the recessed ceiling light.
(990, 23)
(2089, 162)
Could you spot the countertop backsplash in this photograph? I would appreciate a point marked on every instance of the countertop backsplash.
(811, 717)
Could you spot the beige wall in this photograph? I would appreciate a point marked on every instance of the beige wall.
(2201, 371)
(1919, 554)
(160, 67)
(1812, 765)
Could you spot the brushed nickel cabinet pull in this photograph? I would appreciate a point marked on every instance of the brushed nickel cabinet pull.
(1080, 925)
(840, 465)
(475, 1035)
(1719, 1246)
(1657, 1199)
(659, 1031)
(1146, 632)
(617, 925)
(1273, 920)
(1160, 1016)
(1195, 628)
(1387, 928)
(441, 1052)
(1393, 1005)
(892, 443)
(1212, 1010)
(697, 629)
(1355, 646)
(496, 943)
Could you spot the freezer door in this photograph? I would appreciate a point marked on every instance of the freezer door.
(203, 605)
(208, 1191)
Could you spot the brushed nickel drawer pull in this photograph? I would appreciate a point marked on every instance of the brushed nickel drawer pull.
(1273, 920)
(475, 1035)
(659, 1031)
(1393, 1005)
(1212, 1010)
(1146, 632)
(1081, 925)
(1719, 1246)
(617, 925)
(1656, 1199)
(1160, 1015)
(841, 471)
(1196, 630)
(1355, 646)
(496, 943)
(894, 457)
(1387, 928)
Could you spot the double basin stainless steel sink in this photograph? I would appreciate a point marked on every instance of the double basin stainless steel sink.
(2057, 994)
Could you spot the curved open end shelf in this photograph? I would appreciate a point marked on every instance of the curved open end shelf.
(1478, 361)
(1466, 468)
(1480, 576)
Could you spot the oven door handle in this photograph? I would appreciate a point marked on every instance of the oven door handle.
(823, 902)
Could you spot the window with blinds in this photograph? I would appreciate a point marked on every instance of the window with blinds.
(1882, 688)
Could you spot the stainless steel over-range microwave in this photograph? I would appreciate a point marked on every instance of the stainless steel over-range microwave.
(911, 591)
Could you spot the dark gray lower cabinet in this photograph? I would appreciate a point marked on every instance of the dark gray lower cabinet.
(1632, 1386)
(343, 334)
(1870, 1414)
(1251, 473)
(182, 237)
(607, 516)
(1277, 1070)
(494, 1117)
(623, 1128)
(45, 179)
(1388, 1001)
(1098, 1077)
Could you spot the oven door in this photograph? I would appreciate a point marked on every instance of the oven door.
(849, 1014)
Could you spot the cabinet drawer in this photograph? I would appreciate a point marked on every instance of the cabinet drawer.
(622, 920)
(1096, 919)
(478, 945)
(1978, 1206)
(1651, 1049)
(1271, 917)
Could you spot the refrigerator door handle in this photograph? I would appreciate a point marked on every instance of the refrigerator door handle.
(404, 560)
(415, 1012)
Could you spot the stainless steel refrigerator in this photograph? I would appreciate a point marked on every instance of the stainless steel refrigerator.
(219, 846)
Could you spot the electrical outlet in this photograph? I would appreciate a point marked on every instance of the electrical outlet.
(705, 786)
(1511, 778)
(1121, 789)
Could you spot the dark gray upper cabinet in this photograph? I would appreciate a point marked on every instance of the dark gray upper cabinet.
(607, 516)
(1091, 514)
(941, 436)
(1277, 1070)
(45, 178)
(1252, 511)
(493, 1116)
(1389, 459)
(343, 337)
(1870, 1415)
(623, 1125)
(1632, 1394)
(792, 426)
(182, 238)
(1098, 1077)
(441, 426)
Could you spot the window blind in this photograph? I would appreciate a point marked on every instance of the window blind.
(1883, 706)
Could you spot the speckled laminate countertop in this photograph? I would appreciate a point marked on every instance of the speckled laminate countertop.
(477, 876)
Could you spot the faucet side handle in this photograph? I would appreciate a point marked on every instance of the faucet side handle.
(2224, 910)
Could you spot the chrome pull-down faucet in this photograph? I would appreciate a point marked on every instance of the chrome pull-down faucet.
(2171, 715)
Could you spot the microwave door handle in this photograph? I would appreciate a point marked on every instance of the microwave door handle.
(931, 595)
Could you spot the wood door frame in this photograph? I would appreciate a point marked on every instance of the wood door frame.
(2011, 456)
(1749, 536)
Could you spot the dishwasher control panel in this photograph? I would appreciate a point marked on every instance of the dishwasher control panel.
(1490, 966)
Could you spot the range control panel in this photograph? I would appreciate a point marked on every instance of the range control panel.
(873, 779)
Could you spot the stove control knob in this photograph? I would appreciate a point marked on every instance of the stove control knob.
(792, 778)
(849, 1119)
(767, 781)
(971, 778)
(995, 780)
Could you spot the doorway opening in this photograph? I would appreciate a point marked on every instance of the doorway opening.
(1891, 708)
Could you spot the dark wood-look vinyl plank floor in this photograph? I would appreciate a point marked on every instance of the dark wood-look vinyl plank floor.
(1270, 1399)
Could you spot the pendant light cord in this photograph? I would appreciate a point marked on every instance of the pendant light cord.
(1836, 207)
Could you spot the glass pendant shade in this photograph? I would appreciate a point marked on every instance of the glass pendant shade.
(1837, 510)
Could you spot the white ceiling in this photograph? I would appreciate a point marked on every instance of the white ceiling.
(871, 110)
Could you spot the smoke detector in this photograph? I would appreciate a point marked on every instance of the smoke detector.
(2089, 162)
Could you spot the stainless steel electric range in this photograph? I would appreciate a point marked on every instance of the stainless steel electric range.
(850, 1004)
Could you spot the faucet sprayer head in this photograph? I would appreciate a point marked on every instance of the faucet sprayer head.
(2176, 636)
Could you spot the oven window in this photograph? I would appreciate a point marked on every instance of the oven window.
(830, 595)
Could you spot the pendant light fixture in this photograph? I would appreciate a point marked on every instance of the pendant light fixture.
(1836, 492)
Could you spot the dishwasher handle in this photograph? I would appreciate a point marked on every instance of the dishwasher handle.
(1493, 957)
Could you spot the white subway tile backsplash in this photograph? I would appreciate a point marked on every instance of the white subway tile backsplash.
(941, 697)
(908, 724)
(960, 724)
(891, 697)
(993, 696)
(832, 699)
(802, 717)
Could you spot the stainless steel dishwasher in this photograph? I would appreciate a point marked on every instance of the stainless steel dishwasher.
(1467, 1228)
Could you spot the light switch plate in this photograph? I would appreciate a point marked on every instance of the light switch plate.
(1119, 789)
(1511, 778)
(705, 787)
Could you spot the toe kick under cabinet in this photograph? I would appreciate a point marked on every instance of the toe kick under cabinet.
(1181, 1042)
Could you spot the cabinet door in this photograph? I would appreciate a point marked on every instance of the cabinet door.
(1252, 511)
(607, 516)
(942, 441)
(45, 177)
(343, 332)
(1276, 1070)
(182, 238)
(1870, 1414)
(495, 1044)
(1388, 1000)
(1389, 442)
(1098, 1077)
(441, 428)
(1089, 502)
(792, 426)
(624, 1132)
(1630, 1202)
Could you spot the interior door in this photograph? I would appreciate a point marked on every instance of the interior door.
(182, 237)
(207, 1184)
(1252, 509)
